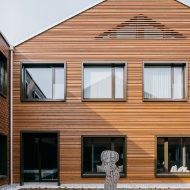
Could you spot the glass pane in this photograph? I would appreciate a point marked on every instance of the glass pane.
(58, 92)
(92, 150)
(118, 147)
(98, 82)
(178, 83)
(5, 80)
(1, 76)
(39, 83)
(157, 82)
(119, 82)
(49, 169)
(178, 155)
(160, 155)
(31, 159)
(3, 155)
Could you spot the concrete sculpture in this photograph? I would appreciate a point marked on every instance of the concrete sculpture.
(109, 158)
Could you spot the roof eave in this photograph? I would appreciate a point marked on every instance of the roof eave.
(183, 3)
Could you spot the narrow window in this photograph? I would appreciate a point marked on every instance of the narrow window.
(165, 82)
(3, 156)
(104, 81)
(173, 155)
(3, 75)
(43, 82)
(92, 147)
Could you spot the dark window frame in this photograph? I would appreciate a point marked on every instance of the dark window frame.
(3, 75)
(102, 175)
(5, 158)
(183, 64)
(106, 63)
(40, 65)
(168, 174)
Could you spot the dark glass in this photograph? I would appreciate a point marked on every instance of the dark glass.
(94, 146)
(3, 76)
(31, 159)
(160, 155)
(49, 169)
(3, 155)
(40, 157)
(178, 154)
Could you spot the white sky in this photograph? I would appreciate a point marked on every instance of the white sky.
(22, 19)
(187, 2)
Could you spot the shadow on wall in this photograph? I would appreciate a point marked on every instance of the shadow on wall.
(74, 119)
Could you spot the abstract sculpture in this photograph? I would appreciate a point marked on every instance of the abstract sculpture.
(109, 158)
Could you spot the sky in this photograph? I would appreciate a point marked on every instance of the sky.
(187, 2)
(22, 19)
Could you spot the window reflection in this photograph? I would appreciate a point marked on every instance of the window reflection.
(44, 82)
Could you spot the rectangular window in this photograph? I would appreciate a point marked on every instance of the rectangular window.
(43, 81)
(3, 156)
(3, 75)
(173, 155)
(165, 81)
(104, 81)
(93, 146)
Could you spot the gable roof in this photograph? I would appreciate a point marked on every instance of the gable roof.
(27, 32)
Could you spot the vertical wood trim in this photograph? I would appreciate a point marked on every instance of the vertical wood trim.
(166, 154)
(113, 82)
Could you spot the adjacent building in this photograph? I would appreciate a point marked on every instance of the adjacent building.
(4, 110)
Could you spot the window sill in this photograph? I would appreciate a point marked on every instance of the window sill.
(2, 177)
(43, 100)
(4, 96)
(177, 174)
(165, 100)
(103, 100)
(99, 175)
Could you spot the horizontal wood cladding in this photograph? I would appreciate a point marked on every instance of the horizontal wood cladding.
(74, 42)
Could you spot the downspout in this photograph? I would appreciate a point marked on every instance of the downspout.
(11, 116)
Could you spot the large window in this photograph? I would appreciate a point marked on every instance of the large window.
(104, 81)
(3, 75)
(43, 82)
(165, 81)
(173, 155)
(3, 156)
(93, 146)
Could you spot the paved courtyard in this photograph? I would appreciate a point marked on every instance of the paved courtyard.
(94, 186)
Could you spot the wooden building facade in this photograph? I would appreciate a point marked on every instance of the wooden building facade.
(113, 77)
(4, 110)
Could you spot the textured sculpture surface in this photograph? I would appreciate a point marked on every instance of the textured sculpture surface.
(109, 158)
